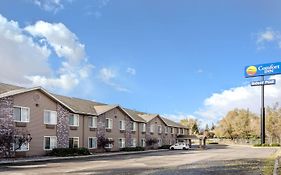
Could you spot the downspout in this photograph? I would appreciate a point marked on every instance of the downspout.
(83, 131)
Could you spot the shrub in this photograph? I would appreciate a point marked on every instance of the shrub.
(128, 149)
(64, 152)
(275, 144)
(151, 142)
(267, 145)
(164, 147)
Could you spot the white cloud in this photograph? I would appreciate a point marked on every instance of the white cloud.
(267, 36)
(25, 58)
(64, 42)
(108, 76)
(19, 54)
(218, 104)
(49, 5)
(131, 71)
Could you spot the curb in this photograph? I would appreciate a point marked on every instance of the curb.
(46, 159)
(276, 166)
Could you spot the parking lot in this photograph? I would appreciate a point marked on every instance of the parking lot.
(220, 159)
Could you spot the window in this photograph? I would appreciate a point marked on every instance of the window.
(143, 127)
(50, 142)
(182, 131)
(152, 128)
(159, 129)
(21, 114)
(172, 130)
(74, 142)
(92, 142)
(108, 123)
(143, 142)
(166, 129)
(109, 145)
(74, 120)
(93, 122)
(24, 146)
(50, 117)
(159, 142)
(178, 131)
(122, 125)
(134, 126)
(133, 142)
(122, 143)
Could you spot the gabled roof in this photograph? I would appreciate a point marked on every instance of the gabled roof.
(80, 106)
(149, 117)
(25, 90)
(100, 109)
(172, 123)
(7, 87)
(135, 115)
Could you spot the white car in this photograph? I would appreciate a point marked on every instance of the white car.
(179, 146)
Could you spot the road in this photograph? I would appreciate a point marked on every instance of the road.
(215, 160)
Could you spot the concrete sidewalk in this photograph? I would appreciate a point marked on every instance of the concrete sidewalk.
(51, 158)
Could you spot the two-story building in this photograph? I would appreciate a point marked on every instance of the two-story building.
(56, 121)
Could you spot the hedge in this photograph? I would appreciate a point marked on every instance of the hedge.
(164, 147)
(128, 149)
(64, 152)
(267, 145)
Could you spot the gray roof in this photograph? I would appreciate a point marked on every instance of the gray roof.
(172, 123)
(79, 105)
(7, 87)
(134, 114)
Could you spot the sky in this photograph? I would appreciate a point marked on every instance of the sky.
(175, 58)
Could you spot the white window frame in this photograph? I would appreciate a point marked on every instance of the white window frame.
(134, 126)
(159, 142)
(143, 142)
(133, 142)
(122, 122)
(123, 142)
(151, 129)
(75, 117)
(94, 124)
(56, 120)
(92, 144)
(110, 123)
(182, 131)
(179, 131)
(20, 150)
(172, 130)
(159, 129)
(52, 146)
(109, 145)
(144, 127)
(28, 114)
(73, 140)
(166, 129)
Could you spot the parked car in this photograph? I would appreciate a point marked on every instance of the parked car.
(179, 146)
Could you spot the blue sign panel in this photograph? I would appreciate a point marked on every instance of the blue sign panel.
(265, 82)
(263, 69)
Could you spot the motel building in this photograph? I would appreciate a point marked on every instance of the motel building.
(56, 121)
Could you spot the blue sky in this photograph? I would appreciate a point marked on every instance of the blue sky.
(176, 58)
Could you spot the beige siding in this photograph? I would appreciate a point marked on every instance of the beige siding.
(37, 102)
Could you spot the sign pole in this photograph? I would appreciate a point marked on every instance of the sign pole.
(262, 113)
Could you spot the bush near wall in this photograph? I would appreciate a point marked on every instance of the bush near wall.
(64, 152)
(128, 149)
(164, 147)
